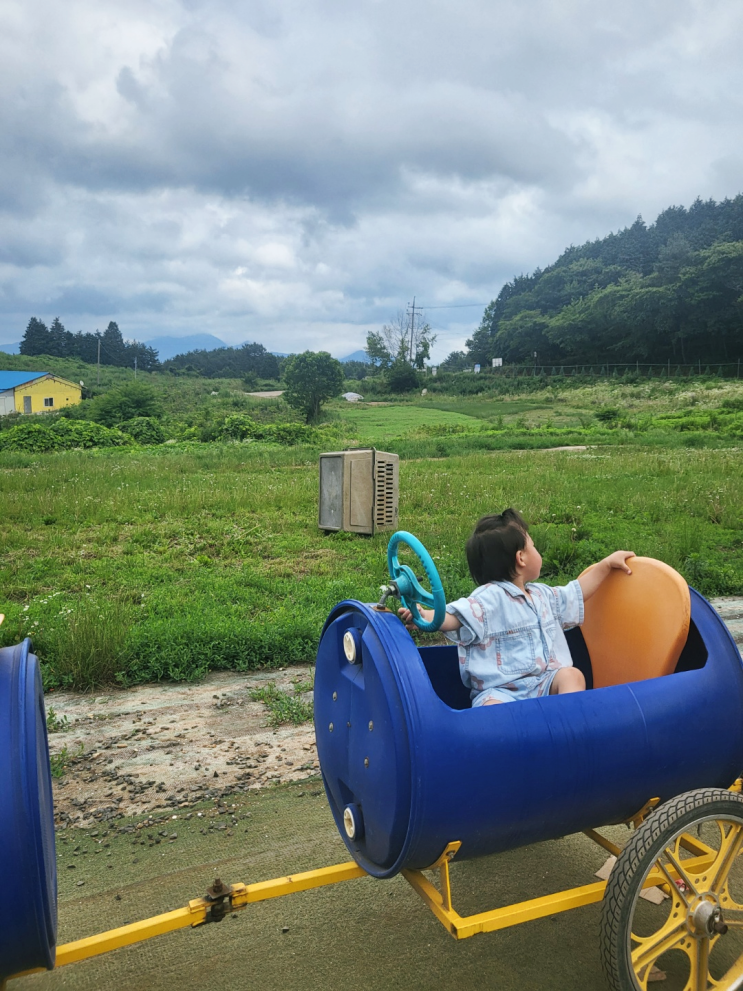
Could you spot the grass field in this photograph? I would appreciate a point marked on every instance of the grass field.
(167, 561)
(376, 424)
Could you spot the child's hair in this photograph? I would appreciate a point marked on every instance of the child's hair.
(491, 550)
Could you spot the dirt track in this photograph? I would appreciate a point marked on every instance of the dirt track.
(169, 746)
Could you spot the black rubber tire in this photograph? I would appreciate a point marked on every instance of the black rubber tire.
(623, 887)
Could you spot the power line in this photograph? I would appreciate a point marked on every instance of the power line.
(451, 306)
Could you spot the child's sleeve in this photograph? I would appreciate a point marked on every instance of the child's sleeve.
(567, 604)
(470, 614)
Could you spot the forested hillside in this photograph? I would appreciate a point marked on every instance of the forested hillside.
(671, 291)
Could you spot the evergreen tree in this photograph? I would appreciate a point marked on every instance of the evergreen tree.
(113, 349)
(60, 340)
(36, 338)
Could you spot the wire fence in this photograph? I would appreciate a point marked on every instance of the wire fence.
(667, 369)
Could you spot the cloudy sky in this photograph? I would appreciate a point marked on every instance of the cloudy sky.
(296, 171)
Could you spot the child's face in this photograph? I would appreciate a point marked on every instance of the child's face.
(531, 561)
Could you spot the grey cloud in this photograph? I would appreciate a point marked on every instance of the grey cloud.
(225, 167)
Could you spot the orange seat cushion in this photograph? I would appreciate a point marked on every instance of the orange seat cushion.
(635, 626)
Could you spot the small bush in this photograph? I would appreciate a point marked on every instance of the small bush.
(136, 399)
(143, 429)
(401, 377)
(607, 414)
(60, 435)
(58, 762)
(239, 426)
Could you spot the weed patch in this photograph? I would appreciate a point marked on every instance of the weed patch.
(283, 706)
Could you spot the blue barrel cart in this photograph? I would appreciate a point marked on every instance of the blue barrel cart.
(416, 778)
(28, 908)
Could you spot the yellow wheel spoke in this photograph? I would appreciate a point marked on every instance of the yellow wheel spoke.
(729, 850)
(650, 948)
(698, 954)
(680, 871)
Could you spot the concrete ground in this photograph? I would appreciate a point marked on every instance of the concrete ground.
(365, 934)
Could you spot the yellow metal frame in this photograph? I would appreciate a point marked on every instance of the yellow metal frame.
(439, 900)
(197, 912)
(461, 927)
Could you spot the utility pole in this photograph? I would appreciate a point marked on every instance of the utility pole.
(412, 325)
(99, 361)
(135, 366)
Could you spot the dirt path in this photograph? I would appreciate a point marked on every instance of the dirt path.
(166, 747)
(169, 746)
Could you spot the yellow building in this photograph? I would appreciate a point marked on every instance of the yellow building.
(36, 392)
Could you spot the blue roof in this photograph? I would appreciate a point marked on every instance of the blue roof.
(9, 380)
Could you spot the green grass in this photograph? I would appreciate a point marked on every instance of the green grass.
(373, 425)
(283, 706)
(167, 562)
(58, 762)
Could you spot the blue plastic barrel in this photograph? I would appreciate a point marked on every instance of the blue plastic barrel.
(408, 766)
(28, 875)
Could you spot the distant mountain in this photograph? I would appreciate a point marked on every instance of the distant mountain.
(169, 347)
(11, 348)
(357, 356)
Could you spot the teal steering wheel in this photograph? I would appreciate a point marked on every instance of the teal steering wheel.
(410, 589)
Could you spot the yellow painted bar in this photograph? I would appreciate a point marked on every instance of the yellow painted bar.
(602, 841)
(196, 911)
(93, 946)
(461, 927)
(246, 894)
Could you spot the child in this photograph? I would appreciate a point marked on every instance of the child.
(509, 631)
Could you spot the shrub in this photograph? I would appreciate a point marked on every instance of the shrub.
(607, 414)
(401, 377)
(290, 433)
(60, 435)
(239, 426)
(144, 429)
(136, 399)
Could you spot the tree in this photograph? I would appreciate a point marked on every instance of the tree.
(113, 349)
(253, 357)
(60, 340)
(455, 361)
(36, 338)
(401, 376)
(398, 341)
(377, 351)
(146, 357)
(311, 379)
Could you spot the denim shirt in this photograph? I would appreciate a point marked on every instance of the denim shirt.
(508, 642)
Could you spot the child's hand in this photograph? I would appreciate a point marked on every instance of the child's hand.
(590, 581)
(407, 617)
(618, 560)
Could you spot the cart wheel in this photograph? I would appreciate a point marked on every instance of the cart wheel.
(693, 940)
